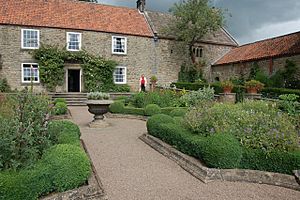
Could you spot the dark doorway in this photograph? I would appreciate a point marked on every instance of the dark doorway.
(73, 80)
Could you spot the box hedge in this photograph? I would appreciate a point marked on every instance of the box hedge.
(60, 108)
(152, 109)
(116, 107)
(178, 112)
(133, 111)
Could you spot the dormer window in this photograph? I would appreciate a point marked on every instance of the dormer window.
(198, 52)
(73, 41)
(119, 45)
(30, 39)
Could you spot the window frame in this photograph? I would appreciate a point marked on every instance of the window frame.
(38, 72)
(80, 41)
(198, 50)
(125, 76)
(22, 38)
(125, 46)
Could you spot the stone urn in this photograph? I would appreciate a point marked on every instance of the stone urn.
(98, 108)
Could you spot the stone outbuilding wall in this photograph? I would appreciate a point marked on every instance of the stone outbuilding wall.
(269, 66)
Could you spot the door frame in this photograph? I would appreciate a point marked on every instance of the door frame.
(67, 78)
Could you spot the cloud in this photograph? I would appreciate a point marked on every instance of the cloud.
(251, 19)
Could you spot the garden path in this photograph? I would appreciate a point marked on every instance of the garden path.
(131, 170)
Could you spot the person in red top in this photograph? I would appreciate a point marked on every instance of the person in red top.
(143, 83)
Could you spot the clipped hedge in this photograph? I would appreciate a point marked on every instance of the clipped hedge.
(154, 122)
(196, 86)
(59, 100)
(60, 108)
(222, 151)
(116, 107)
(276, 161)
(133, 111)
(69, 166)
(62, 167)
(179, 112)
(276, 92)
(167, 110)
(152, 109)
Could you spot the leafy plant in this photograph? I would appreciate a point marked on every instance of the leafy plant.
(153, 79)
(116, 107)
(152, 109)
(194, 97)
(59, 100)
(227, 84)
(60, 108)
(98, 96)
(254, 84)
(289, 104)
(4, 87)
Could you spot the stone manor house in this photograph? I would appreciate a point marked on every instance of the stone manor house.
(134, 38)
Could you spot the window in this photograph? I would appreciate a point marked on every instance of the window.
(120, 75)
(74, 41)
(198, 52)
(30, 39)
(30, 72)
(119, 45)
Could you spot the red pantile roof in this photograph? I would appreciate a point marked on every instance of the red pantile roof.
(274, 47)
(71, 14)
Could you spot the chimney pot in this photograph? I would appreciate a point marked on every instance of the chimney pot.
(140, 4)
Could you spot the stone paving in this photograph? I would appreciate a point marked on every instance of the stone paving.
(131, 170)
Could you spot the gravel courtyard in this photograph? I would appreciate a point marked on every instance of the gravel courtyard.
(131, 170)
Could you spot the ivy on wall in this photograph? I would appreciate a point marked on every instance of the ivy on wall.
(97, 71)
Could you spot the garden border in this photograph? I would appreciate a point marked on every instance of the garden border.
(204, 174)
(126, 116)
(93, 190)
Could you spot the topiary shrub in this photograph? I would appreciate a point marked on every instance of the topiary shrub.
(116, 107)
(222, 151)
(179, 112)
(59, 100)
(60, 108)
(69, 165)
(133, 111)
(154, 122)
(152, 109)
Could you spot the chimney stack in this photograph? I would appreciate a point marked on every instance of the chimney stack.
(140, 5)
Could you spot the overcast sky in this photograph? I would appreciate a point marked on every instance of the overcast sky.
(250, 20)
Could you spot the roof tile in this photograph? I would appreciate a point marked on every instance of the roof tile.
(71, 14)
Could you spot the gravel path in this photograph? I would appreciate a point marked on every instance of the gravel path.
(131, 170)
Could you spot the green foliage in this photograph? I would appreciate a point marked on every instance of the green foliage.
(154, 122)
(190, 74)
(194, 97)
(97, 71)
(165, 98)
(64, 132)
(167, 110)
(4, 87)
(69, 165)
(254, 84)
(116, 107)
(287, 77)
(289, 104)
(23, 136)
(179, 112)
(59, 100)
(196, 86)
(133, 111)
(194, 20)
(256, 124)
(275, 161)
(152, 109)
(60, 108)
(222, 151)
(98, 96)
(276, 92)
(120, 88)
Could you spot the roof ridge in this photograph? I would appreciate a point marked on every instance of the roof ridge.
(272, 38)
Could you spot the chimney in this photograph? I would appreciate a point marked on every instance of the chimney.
(140, 5)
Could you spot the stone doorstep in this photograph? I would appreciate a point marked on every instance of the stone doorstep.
(92, 191)
(204, 174)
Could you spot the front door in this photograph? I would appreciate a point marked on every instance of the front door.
(73, 80)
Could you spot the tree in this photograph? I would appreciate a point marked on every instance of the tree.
(93, 1)
(194, 20)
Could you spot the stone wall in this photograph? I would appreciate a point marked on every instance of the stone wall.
(225, 72)
(144, 56)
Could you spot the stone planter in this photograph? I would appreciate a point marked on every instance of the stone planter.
(252, 96)
(98, 108)
(227, 97)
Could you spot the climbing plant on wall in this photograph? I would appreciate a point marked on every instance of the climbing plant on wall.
(97, 71)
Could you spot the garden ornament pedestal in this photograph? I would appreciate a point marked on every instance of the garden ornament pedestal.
(227, 97)
(98, 108)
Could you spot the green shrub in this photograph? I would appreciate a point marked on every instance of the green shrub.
(24, 136)
(256, 124)
(64, 132)
(133, 111)
(60, 108)
(154, 121)
(275, 161)
(179, 112)
(276, 92)
(4, 87)
(196, 86)
(69, 165)
(120, 88)
(222, 151)
(116, 107)
(193, 97)
(167, 110)
(152, 109)
(59, 100)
